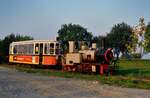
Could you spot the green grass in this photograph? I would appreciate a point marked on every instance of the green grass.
(135, 68)
(131, 73)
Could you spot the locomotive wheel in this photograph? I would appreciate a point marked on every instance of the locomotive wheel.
(108, 55)
(64, 68)
(70, 68)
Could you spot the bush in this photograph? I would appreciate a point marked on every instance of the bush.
(136, 55)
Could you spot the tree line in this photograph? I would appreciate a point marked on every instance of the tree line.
(4, 45)
(120, 36)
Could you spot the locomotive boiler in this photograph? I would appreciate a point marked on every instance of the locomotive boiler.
(87, 59)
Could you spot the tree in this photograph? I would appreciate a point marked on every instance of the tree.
(0, 51)
(6, 42)
(147, 38)
(73, 32)
(119, 36)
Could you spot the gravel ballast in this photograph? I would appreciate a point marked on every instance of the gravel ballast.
(15, 84)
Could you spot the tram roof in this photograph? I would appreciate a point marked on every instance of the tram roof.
(34, 41)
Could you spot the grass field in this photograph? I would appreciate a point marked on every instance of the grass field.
(134, 68)
(131, 73)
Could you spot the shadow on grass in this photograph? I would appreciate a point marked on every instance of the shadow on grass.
(133, 72)
(125, 72)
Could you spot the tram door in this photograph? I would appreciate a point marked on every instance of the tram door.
(41, 54)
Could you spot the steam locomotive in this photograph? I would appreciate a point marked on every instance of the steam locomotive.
(87, 60)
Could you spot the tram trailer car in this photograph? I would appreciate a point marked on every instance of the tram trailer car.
(87, 59)
(37, 52)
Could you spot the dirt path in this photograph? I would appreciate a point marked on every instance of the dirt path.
(15, 84)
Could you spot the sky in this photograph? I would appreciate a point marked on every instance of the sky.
(43, 18)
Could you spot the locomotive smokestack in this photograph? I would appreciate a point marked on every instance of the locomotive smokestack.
(94, 46)
(71, 46)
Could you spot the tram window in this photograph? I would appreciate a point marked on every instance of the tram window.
(14, 50)
(23, 49)
(57, 46)
(51, 45)
(57, 49)
(52, 48)
(30, 48)
(36, 48)
(51, 51)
